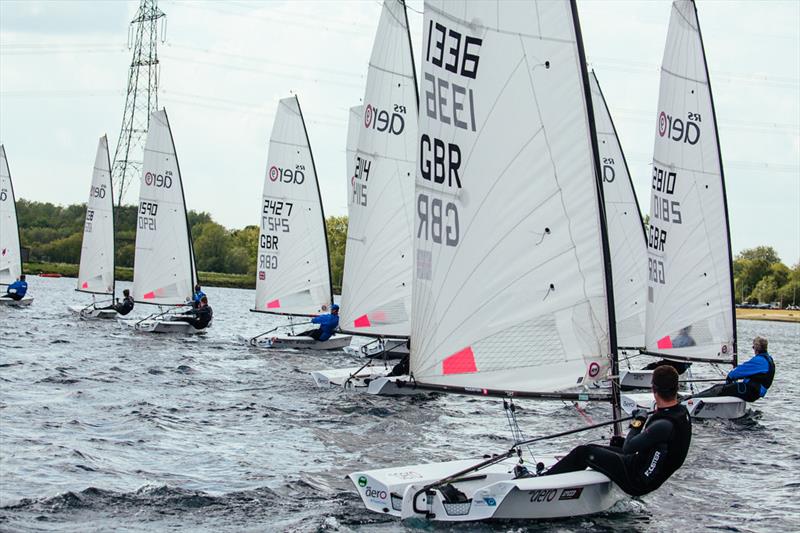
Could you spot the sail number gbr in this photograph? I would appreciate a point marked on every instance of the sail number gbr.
(147, 215)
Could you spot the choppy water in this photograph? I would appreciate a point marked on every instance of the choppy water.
(101, 429)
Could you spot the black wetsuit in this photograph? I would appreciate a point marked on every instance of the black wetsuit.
(646, 460)
(199, 318)
(124, 307)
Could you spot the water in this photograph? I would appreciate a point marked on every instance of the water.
(101, 429)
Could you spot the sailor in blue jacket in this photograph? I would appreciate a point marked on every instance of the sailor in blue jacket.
(750, 380)
(327, 325)
(17, 290)
(197, 296)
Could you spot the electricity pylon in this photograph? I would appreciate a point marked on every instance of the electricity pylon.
(142, 98)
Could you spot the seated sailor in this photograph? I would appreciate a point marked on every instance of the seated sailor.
(327, 325)
(199, 317)
(654, 448)
(750, 380)
(18, 289)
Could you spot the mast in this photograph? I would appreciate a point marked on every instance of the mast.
(612, 324)
(319, 195)
(113, 228)
(735, 359)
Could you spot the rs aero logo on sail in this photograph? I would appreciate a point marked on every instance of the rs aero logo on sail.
(382, 120)
(158, 180)
(680, 130)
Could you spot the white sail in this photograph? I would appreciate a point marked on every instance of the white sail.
(625, 229)
(163, 272)
(355, 117)
(293, 273)
(96, 271)
(10, 257)
(376, 288)
(690, 306)
(510, 283)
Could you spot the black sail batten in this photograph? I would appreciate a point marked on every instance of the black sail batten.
(374, 335)
(624, 160)
(722, 181)
(113, 227)
(193, 266)
(500, 393)
(321, 207)
(411, 51)
(612, 325)
(688, 359)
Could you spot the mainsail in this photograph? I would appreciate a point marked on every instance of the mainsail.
(512, 280)
(376, 288)
(164, 271)
(625, 229)
(293, 270)
(10, 256)
(96, 271)
(690, 313)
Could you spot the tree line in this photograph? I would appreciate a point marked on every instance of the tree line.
(53, 234)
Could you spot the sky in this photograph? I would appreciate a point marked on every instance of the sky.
(225, 64)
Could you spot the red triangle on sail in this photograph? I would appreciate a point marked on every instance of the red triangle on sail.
(362, 322)
(274, 304)
(462, 362)
(85, 285)
(149, 295)
(664, 343)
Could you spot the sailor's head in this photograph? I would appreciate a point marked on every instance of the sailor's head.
(197, 288)
(22, 277)
(204, 300)
(335, 309)
(760, 345)
(665, 382)
(126, 293)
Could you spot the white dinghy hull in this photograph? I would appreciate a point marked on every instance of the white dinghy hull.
(635, 379)
(356, 377)
(493, 494)
(89, 312)
(721, 407)
(26, 301)
(383, 349)
(156, 325)
(299, 342)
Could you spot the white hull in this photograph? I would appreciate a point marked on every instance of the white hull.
(26, 300)
(492, 493)
(89, 312)
(299, 342)
(158, 325)
(722, 407)
(635, 379)
(384, 349)
(371, 379)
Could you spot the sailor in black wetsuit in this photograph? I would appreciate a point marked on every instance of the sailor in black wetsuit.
(655, 447)
(199, 317)
(124, 307)
(750, 380)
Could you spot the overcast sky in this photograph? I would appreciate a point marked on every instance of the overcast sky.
(225, 64)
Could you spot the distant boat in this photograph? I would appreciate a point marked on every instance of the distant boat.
(164, 272)
(512, 285)
(96, 271)
(690, 311)
(10, 254)
(293, 270)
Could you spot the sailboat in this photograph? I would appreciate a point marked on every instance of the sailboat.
(376, 289)
(293, 270)
(690, 308)
(96, 271)
(10, 253)
(164, 272)
(626, 238)
(512, 285)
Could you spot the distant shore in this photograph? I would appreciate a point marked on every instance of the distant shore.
(209, 279)
(775, 315)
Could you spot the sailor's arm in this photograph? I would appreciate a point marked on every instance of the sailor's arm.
(655, 433)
